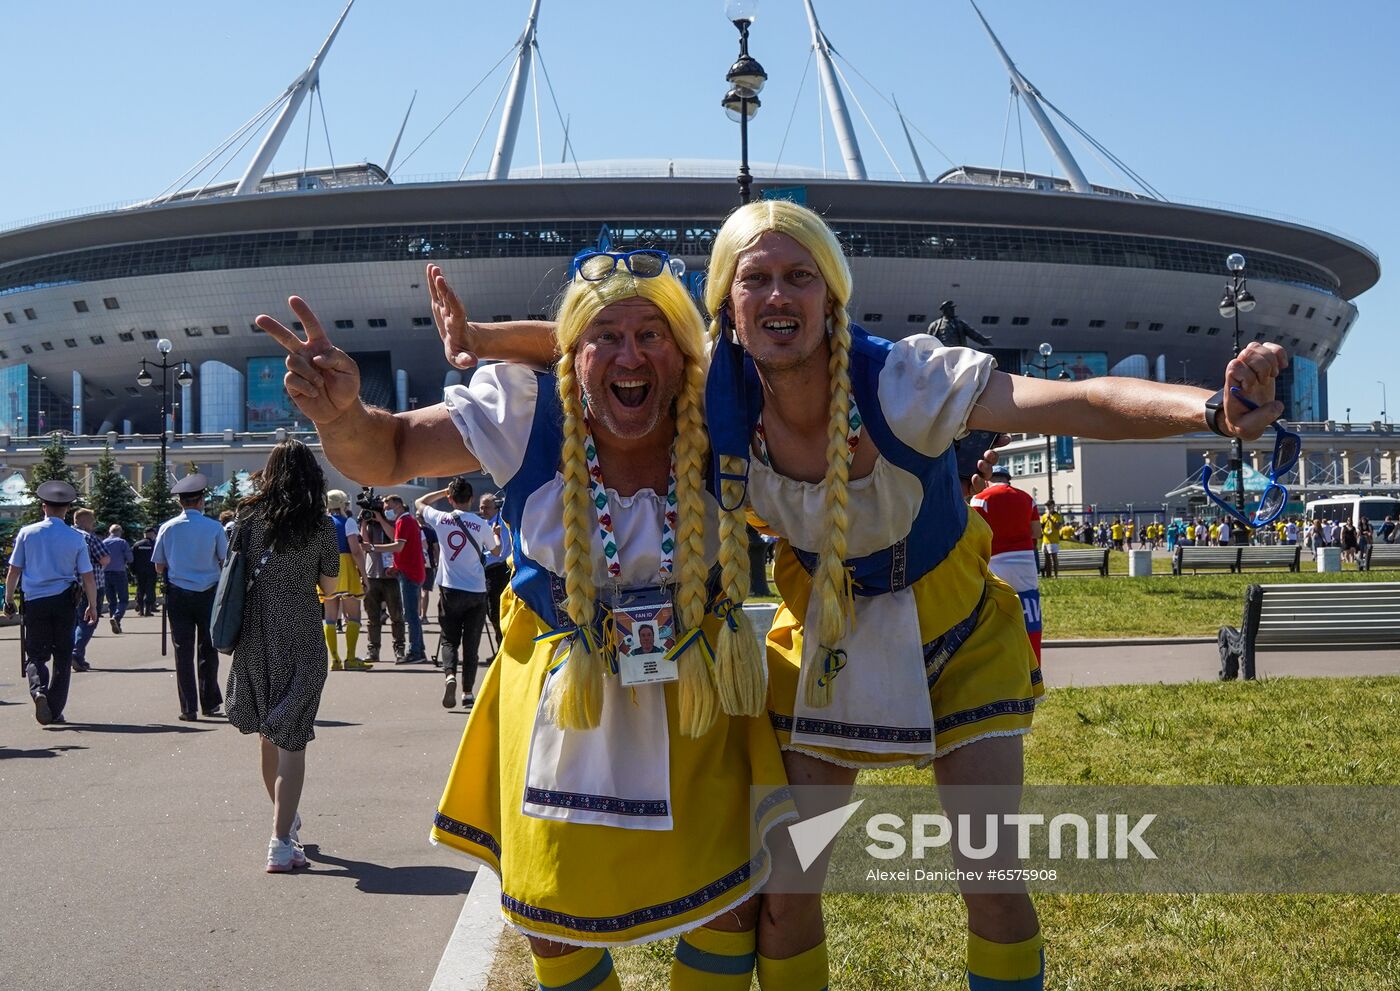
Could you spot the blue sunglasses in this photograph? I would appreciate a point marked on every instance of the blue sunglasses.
(1288, 447)
(595, 266)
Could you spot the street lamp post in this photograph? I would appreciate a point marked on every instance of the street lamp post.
(1384, 405)
(745, 77)
(1236, 300)
(145, 379)
(1045, 364)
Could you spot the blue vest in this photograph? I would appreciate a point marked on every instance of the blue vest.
(734, 401)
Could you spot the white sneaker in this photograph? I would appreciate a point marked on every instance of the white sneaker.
(449, 692)
(281, 856)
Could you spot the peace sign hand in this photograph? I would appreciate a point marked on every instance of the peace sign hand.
(450, 318)
(321, 378)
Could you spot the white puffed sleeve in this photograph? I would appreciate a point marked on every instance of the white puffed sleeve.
(927, 391)
(494, 413)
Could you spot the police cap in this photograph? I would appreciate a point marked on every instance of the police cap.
(57, 493)
(190, 485)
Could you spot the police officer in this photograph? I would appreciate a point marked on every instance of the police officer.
(145, 573)
(49, 558)
(190, 549)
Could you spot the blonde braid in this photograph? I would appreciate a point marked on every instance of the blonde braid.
(576, 697)
(740, 670)
(697, 688)
(829, 582)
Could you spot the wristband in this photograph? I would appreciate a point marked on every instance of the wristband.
(1212, 413)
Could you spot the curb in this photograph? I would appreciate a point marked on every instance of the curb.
(471, 950)
(1131, 642)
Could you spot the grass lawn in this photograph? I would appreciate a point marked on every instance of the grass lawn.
(1283, 732)
(1162, 605)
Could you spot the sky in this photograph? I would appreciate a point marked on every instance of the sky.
(1280, 107)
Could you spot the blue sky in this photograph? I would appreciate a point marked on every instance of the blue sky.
(1284, 107)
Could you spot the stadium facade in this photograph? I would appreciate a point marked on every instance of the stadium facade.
(1118, 283)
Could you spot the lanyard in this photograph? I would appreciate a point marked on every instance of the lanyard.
(603, 511)
(853, 421)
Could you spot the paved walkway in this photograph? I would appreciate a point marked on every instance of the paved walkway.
(132, 844)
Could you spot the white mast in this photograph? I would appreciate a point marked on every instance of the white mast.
(918, 162)
(296, 92)
(389, 162)
(1031, 95)
(835, 101)
(515, 100)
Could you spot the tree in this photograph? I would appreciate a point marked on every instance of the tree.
(156, 499)
(51, 466)
(112, 498)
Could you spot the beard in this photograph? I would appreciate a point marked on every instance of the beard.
(630, 424)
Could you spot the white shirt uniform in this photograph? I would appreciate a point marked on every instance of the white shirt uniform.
(459, 564)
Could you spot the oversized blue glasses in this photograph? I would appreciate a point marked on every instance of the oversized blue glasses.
(1288, 447)
(595, 266)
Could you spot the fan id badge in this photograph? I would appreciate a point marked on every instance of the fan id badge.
(645, 623)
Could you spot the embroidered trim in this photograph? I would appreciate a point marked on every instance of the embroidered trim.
(1006, 707)
(849, 731)
(596, 803)
(855, 425)
(939, 651)
(469, 833)
(602, 509)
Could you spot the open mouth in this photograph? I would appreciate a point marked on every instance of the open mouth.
(781, 326)
(631, 393)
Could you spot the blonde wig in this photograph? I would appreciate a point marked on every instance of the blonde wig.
(576, 699)
(831, 591)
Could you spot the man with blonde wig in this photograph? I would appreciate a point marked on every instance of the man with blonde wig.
(612, 797)
(344, 602)
(894, 643)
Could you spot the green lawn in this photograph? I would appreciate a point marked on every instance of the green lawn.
(1284, 732)
(1162, 605)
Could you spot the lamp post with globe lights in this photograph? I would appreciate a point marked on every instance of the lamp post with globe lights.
(1237, 299)
(745, 78)
(1045, 365)
(145, 379)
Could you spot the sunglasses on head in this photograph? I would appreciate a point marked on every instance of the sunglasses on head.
(595, 266)
(1288, 447)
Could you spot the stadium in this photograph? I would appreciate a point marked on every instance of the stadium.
(1123, 283)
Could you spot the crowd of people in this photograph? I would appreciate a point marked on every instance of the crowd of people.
(635, 718)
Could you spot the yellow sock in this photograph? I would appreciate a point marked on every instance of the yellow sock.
(585, 969)
(808, 971)
(328, 631)
(352, 637)
(708, 959)
(1005, 966)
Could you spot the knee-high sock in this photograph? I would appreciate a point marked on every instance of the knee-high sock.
(1005, 966)
(352, 637)
(328, 631)
(808, 971)
(588, 969)
(709, 960)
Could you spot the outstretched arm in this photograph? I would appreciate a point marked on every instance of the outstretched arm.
(1126, 408)
(464, 342)
(372, 446)
(428, 498)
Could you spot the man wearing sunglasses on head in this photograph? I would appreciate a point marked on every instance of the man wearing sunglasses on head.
(874, 495)
(610, 792)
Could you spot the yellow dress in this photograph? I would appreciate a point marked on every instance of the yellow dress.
(625, 833)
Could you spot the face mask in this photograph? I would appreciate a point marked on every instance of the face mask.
(389, 514)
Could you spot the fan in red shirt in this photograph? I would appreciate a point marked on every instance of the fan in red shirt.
(407, 548)
(1015, 523)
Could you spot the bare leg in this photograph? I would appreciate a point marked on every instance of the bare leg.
(739, 919)
(789, 924)
(291, 775)
(269, 767)
(1001, 917)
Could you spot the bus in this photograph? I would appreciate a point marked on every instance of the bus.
(1340, 509)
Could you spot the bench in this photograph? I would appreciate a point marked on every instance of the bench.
(1381, 556)
(1196, 558)
(1278, 558)
(1086, 559)
(1316, 616)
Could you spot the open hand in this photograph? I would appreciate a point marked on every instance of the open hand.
(450, 318)
(322, 379)
(1254, 372)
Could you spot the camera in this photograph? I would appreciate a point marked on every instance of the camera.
(369, 503)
